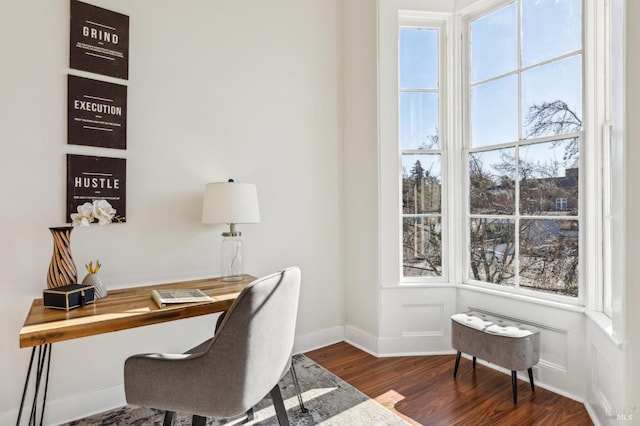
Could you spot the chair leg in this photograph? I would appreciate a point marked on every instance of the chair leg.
(474, 362)
(278, 404)
(455, 369)
(530, 370)
(249, 415)
(198, 420)
(168, 418)
(296, 385)
(514, 386)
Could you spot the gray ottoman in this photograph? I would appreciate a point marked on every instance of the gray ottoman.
(509, 344)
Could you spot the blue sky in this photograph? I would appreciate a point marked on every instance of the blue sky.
(550, 28)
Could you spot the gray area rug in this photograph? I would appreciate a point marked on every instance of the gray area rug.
(330, 401)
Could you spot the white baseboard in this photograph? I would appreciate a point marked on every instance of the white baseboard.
(64, 410)
(600, 409)
(319, 339)
(593, 413)
(389, 347)
(8, 418)
(361, 340)
(414, 346)
(522, 375)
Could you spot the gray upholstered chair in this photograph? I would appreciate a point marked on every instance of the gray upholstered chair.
(227, 375)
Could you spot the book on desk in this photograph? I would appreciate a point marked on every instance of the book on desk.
(175, 296)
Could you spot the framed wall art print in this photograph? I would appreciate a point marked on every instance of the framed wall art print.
(91, 178)
(99, 40)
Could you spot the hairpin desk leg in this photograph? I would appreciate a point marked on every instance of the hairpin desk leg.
(44, 356)
(26, 384)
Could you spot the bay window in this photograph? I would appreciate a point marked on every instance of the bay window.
(500, 179)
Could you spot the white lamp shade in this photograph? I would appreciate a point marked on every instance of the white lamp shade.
(230, 202)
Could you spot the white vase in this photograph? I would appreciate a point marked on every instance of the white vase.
(96, 281)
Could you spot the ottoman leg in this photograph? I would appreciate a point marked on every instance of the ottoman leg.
(530, 370)
(514, 386)
(455, 369)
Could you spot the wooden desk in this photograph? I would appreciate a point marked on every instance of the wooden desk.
(123, 309)
(120, 310)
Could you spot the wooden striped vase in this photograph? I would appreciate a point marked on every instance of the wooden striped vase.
(62, 270)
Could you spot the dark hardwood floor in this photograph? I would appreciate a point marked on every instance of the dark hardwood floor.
(422, 390)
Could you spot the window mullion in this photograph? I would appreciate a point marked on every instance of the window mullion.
(519, 69)
(516, 230)
(516, 175)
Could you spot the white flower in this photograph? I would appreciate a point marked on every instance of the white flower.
(100, 209)
(84, 216)
(103, 211)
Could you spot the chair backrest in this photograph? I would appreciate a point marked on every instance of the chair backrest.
(254, 342)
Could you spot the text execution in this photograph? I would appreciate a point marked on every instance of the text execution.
(97, 108)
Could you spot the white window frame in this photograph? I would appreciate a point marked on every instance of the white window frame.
(589, 264)
(391, 257)
(412, 19)
(604, 290)
(453, 108)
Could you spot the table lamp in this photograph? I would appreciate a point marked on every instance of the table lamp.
(231, 203)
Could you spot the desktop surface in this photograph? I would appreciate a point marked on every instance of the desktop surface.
(122, 309)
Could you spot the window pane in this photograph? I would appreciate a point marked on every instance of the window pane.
(513, 102)
(419, 120)
(494, 112)
(494, 44)
(492, 182)
(550, 28)
(549, 256)
(421, 183)
(552, 98)
(422, 246)
(548, 175)
(418, 58)
(492, 250)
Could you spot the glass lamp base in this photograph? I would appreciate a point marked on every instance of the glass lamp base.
(233, 278)
(232, 266)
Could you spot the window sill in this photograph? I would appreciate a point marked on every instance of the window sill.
(407, 285)
(525, 298)
(605, 324)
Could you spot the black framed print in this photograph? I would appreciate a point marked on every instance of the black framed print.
(91, 178)
(97, 113)
(99, 40)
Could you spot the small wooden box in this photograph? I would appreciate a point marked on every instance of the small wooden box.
(68, 296)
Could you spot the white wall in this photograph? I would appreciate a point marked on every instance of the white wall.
(231, 88)
(605, 347)
(631, 297)
(361, 171)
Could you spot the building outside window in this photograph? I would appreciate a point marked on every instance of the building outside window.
(561, 204)
(523, 145)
